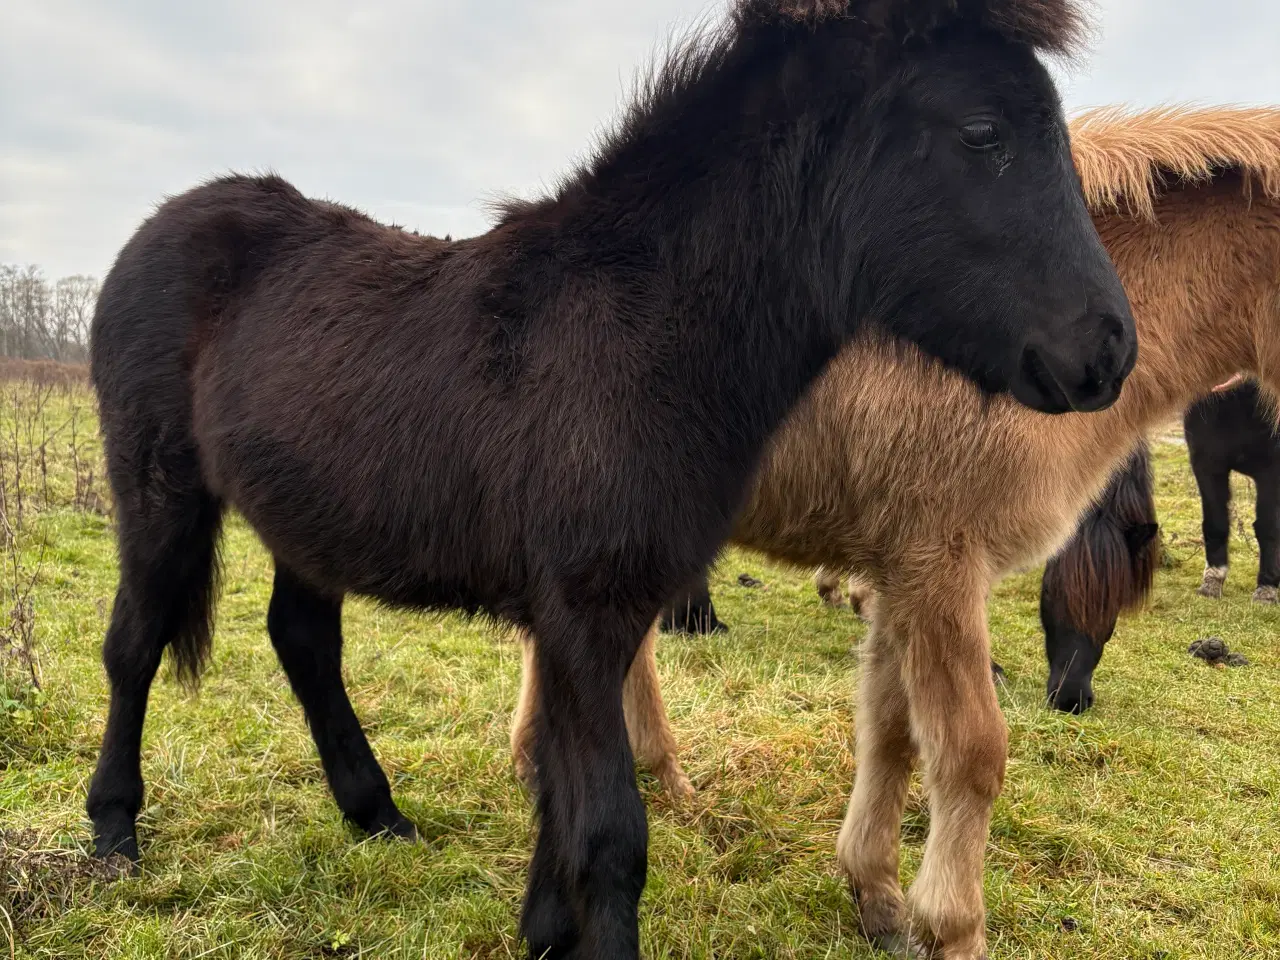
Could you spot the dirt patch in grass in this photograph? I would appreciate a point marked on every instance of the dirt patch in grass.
(40, 881)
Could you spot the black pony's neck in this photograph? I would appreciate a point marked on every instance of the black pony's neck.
(724, 177)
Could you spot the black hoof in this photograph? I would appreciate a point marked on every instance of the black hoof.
(115, 837)
(403, 829)
(1076, 705)
(696, 625)
(398, 827)
(126, 847)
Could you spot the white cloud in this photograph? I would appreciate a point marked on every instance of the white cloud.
(415, 110)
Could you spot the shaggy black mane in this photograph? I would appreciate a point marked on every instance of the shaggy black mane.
(1058, 27)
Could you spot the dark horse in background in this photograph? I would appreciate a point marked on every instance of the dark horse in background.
(1109, 564)
(1105, 569)
(1235, 430)
(556, 423)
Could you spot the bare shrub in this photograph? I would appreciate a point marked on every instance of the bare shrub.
(44, 372)
(50, 459)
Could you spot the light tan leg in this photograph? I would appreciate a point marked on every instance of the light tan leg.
(867, 848)
(861, 596)
(963, 741)
(522, 721)
(648, 729)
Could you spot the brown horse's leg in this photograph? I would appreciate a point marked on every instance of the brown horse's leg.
(853, 592)
(861, 596)
(647, 725)
(868, 845)
(522, 729)
(961, 734)
(648, 728)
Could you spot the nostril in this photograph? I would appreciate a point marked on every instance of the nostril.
(1118, 351)
(1112, 326)
(1070, 699)
(1107, 363)
(1082, 701)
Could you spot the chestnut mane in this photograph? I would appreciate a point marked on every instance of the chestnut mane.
(1126, 159)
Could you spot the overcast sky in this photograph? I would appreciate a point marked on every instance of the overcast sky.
(414, 110)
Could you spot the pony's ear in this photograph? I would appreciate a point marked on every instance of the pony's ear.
(1139, 535)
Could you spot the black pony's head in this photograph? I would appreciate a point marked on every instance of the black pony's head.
(951, 196)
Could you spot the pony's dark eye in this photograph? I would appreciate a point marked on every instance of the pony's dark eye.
(980, 135)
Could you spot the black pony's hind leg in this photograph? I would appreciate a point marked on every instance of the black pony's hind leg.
(1266, 526)
(306, 630)
(168, 536)
(131, 655)
(1215, 501)
(589, 865)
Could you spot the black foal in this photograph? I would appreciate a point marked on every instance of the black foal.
(555, 423)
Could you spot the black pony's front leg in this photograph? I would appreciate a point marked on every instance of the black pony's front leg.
(589, 866)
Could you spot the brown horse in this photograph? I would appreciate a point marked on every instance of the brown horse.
(897, 469)
(555, 423)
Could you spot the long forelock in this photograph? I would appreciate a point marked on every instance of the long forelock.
(1099, 574)
(1064, 28)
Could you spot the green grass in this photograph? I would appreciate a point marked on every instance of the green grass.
(1148, 828)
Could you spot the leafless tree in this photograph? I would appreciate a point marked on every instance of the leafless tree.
(73, 301)
(43, 321)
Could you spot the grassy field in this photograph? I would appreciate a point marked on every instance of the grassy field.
(1148, 828)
